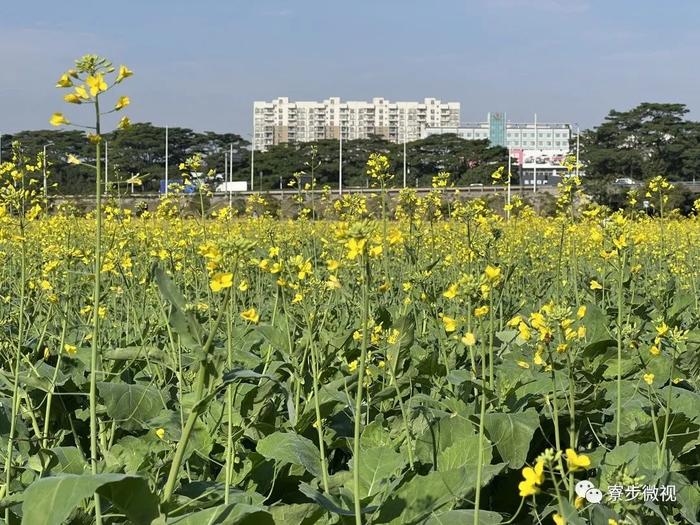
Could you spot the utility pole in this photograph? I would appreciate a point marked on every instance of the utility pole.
(340, 159)
(252, 156)
(166, 160)
(230, 176)
(225, 168)
(534, 169)
(43, 165)
(106, 166)
(578, 133)
(404, 153)
(508, 193)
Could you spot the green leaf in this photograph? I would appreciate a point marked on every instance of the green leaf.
(302, 513)
(182, 321)
(464, 517)
(70, 461)
(50, 501)
(377, 465)
(423, 495)
(131, 406)
(512, 433)
(287, 447)
(234, 514)
(441, 435)
(463, 451)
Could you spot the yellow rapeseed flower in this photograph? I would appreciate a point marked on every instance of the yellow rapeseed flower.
(355, 248)
(576, 461)
(449, 323)
(57, 119)
(481, 311)
(122, 102)
(123, 73)
(595, 285)
(64, 81)
(251, 315)
(96, 83)
(492, 273)
(648, 378)
(534, 477)
(469, 339)
(221, 281)
(451, 291)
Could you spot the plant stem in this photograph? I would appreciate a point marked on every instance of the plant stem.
(15, 381)
(480, 452)
(358, 397)
(94, 353)
(618, 401)
(200, 388)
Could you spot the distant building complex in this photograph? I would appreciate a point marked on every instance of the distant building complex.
(283, 121)
(525, 136)
(539, 147)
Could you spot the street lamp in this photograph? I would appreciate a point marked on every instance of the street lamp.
(43, 165)
(340, 158)
(578, 134)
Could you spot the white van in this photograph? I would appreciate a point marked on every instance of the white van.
(232, 186)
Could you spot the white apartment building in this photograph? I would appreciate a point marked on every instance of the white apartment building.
(283, 121)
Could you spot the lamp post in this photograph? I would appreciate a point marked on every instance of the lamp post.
(578, 133)
(106, 166)
(43, 165)
(534, 169)
(508, 191)
(252, 156)
(340, 158)
(404, 153)
(230, 176)
(166, 160)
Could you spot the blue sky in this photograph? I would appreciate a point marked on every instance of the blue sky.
(201, 64)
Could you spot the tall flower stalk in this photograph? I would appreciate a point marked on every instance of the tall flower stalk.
(88, 81)
(23, 202)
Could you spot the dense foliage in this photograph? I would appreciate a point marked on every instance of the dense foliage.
(648, 140)
(140, 149)
(231, 350)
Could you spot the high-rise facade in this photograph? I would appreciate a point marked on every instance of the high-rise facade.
(281, 121)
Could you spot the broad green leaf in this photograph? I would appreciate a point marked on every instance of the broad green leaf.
(234, 514)
(422, 496)
(463, 451)
(287, 447)
(182, 320)
(512, 433)
(49, 501)
(441, 435)
(377, 465)
(131, 406)
(464, 517)
(301, 513)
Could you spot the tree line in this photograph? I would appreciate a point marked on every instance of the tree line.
(648, 140)
(140, 149)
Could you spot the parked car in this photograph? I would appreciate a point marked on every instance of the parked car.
(233, 186)
(625, 182)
